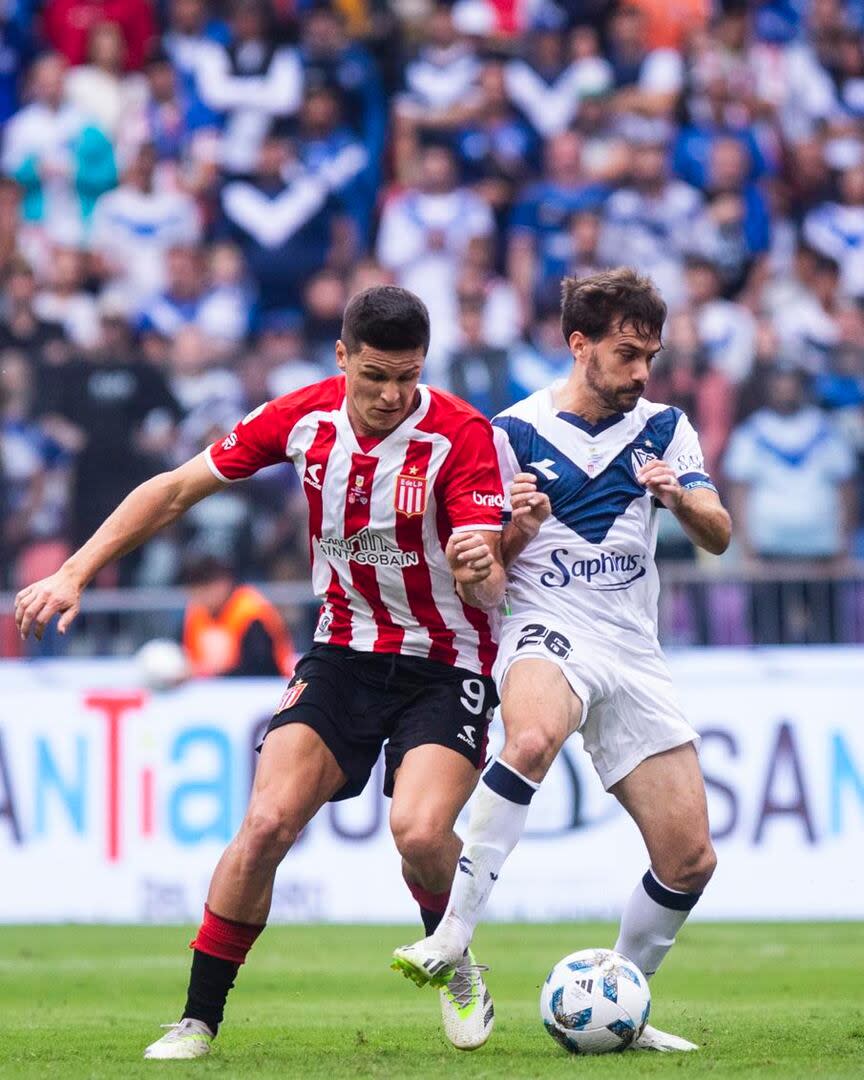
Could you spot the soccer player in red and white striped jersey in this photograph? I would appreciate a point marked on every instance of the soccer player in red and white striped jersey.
(405, 508)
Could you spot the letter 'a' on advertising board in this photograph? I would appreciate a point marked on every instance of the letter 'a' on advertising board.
(133, 797)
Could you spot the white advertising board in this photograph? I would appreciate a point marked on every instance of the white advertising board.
(115, 804)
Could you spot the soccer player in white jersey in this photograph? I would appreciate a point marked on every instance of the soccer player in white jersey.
(405, 504)
(579, 648)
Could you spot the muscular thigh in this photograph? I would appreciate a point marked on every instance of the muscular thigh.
(665, 796)
(431, 786)
(536, 696)
(296, 774)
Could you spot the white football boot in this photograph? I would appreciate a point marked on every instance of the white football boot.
(425, 963)
(467, 1011)
(184, 1040)
(664, 1043)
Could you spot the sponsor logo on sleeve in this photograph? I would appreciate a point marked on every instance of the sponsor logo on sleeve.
(491, 500)
(230, 441)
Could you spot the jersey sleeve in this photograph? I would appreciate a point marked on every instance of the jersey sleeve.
(469, 485)
(685, 456)
(259, 440)
(508, 465)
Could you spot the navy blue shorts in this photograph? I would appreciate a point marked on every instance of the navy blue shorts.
(358, 702)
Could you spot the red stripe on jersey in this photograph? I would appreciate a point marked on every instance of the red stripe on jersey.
(418, 581)
(479, 620)
(358, 509)
(313, 482)
(340, 612)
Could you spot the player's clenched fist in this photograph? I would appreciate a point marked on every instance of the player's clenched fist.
(530, 507)
(661, 481)
(470, 558)
(37, 604)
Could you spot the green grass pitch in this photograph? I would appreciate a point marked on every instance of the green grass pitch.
(782, 1000)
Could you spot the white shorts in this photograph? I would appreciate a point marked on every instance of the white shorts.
(630, 710)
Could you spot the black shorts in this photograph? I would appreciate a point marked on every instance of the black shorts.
(359, 701)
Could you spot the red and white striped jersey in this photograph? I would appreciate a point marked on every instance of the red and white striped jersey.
(380, 518)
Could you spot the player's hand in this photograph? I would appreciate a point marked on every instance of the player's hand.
(470, 558)
(530, 507)
(661, 481)
(37, 604)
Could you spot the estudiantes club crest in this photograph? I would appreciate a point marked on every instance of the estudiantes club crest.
(410, 495)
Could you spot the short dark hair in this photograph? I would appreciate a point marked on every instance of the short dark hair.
(607, 301)
(386, 317)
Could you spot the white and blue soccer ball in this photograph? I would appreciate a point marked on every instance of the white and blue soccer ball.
(595, 1002)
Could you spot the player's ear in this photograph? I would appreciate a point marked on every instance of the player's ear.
(341, 355)
(578, 345)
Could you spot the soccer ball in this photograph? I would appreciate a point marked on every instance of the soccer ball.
(161, 664)
(595, 1001)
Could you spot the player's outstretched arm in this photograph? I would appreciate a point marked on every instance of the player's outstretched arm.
(703, 517)
(529, 508)
(150, 507)
(475, 562)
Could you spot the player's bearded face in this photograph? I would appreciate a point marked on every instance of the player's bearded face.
(381, 386)
(617, 372)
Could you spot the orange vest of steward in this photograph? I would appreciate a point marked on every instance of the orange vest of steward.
(213, 645)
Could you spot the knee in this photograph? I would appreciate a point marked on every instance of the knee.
(693, 868)
(266, 835)
(420, 841)
(532, 751)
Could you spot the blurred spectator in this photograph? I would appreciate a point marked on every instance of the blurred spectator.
(547, 85)
(734, 227)
(648, 80)
(545, 356)
(67, 25)
(65, 301)
(196, 382)
(99, 89)
(33, 464)
(216, 302)
(253, 83)
(792, 493)
(649, 224)
(17, 44)
(231, 629)
(323, 305)
(117, 413)
(478, 371)
(330, 59)
(287, 222)
(727, 331)
(497, 149)
(282, 348)
(681, 375)
(425, 231)
(136, 224)
(62, 160)
(836, 228)
(324, 144)
(539, 241)
(42, 341)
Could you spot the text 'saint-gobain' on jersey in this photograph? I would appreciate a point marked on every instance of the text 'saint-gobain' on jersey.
(592, 563)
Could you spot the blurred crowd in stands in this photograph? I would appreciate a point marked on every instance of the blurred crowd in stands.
(190, 191)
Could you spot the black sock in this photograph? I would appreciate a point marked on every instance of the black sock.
(431, 919)
(209, 983)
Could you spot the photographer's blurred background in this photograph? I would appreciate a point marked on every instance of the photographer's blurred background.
(190, 191)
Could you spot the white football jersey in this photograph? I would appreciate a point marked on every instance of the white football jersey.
(592, 563)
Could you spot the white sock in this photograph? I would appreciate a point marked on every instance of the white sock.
(498, 813)
(653, 916)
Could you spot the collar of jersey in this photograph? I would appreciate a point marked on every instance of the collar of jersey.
(586, 426)
(343, 425)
